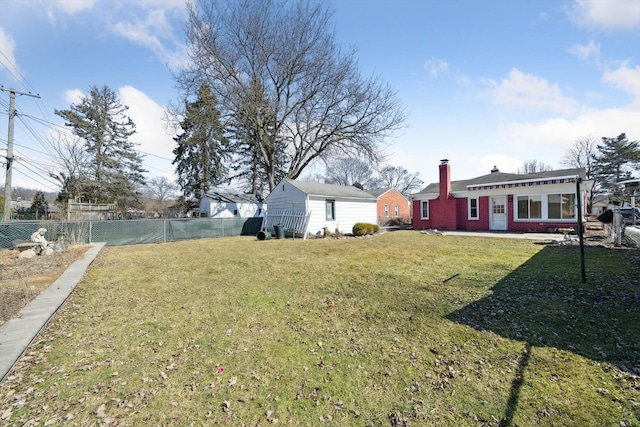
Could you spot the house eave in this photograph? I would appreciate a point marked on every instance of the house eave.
(519, 182)
(333, 196)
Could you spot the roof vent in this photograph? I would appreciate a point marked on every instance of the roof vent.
(495, 169)
(444, 161)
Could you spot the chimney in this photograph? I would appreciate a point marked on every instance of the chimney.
(445, 179)
(495, 169)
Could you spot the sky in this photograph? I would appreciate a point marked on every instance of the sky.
(484, 82)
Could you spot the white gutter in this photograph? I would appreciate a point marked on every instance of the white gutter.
(492, 184)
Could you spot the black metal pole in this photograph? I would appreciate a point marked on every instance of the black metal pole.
(580, 230)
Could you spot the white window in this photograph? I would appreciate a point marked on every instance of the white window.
(331, 210)
(424, 209)
(529, 207)
(386, 211)
(473, 208)
(397, 211)
(561, 206)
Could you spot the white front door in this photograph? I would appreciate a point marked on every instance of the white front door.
(498, 213)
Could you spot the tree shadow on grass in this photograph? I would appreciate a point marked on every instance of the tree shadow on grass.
(543, 303)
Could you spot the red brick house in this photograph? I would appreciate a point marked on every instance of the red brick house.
(536, 202)
(392, 205)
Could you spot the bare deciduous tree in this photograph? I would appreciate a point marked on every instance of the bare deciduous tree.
(399, 178)
(71, 170)
(346, 171)
(534, 166)
(582, 155)
(160, 189)
(313, 94)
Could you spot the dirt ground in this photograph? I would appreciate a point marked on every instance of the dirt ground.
(22, 279)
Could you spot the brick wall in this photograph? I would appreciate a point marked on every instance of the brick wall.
(443, 214)
(441, 217)
(393, 198)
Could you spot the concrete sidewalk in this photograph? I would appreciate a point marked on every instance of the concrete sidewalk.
(508, 235)
(19, 332)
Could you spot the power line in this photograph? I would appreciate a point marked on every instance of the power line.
(29, 148)
(22, 77)
(52, 151)
(16, 78)
(37, 174)
(36, 136)
(44, 122)
(9, 157)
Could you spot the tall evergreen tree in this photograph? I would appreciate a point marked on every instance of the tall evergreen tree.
(115, 167)
(202, 146)
(39, 204)
(616, 161)
(259, 151)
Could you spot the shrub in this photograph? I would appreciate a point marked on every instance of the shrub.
(362, 228)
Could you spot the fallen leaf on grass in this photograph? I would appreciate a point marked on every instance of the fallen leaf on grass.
(6, 414)
(100, 412)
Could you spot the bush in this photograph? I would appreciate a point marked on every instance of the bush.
(362, 229)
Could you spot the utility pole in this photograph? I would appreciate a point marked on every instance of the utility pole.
(7, 182)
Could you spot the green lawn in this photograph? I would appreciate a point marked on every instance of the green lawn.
(399, 329)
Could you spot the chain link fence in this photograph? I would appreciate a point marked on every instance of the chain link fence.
(130, 232)
(618, 233)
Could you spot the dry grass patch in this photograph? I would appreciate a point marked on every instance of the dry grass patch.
(22, 279)
(400, 329)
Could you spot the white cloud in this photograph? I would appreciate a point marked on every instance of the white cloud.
(590, 50)
(73, 96)
(436, 66)
(143, 22)
(626, 79)
(72, 6)
(155, 33)
(65, 7)
(609, 14)
(7, 58)
(549, 139)
(150, 130)
(529, 92)
(168, 4)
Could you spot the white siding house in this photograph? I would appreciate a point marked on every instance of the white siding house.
(336, 207)
(227, 205)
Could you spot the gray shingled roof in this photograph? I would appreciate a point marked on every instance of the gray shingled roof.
(378, 191)
(501, 177)
(330, 190)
